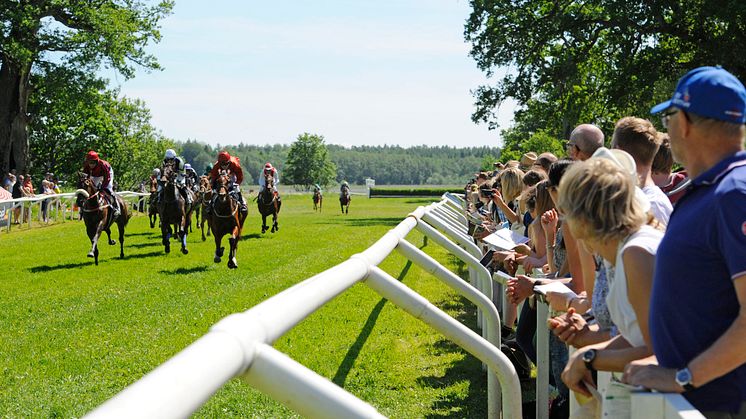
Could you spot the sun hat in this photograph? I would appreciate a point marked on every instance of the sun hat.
(528, 159)
(710, 92)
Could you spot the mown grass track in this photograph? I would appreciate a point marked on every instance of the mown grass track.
(73, 335)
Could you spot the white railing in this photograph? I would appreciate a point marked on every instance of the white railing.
(61, 203)
(239, 345)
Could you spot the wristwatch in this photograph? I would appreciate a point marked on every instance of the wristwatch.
(684, 379)
(588, 357)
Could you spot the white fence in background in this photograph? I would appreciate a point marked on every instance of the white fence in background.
(239, 345)
(60, 206)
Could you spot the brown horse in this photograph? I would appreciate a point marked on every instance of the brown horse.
(99, 216)
(317, 200)
(205, 195)
(173, 210)
(344, 200)
(152, 202)
(226, 218)
(269, 203)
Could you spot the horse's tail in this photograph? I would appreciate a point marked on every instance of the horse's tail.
(82, 192)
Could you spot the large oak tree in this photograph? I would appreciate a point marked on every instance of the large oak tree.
(80, 34)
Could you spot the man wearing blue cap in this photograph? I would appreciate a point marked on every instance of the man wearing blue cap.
(698, 304)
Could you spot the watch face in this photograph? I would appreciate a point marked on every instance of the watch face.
(589, 356)
(683, 376)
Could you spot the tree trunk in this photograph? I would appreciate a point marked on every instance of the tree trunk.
(14, 94)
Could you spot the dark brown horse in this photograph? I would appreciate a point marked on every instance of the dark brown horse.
(317, 200)
(173, 210)
(269, 203)
(226, 218)
(205, 196)
(152, 202)
(344, 200)
(99, 216)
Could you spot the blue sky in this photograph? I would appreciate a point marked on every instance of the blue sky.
(356, 72)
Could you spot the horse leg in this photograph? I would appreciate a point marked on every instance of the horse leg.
(264, 223)
(274, 223)
(94, 240)
(120, 225)
(218, 249)
(166, 236)
(108, 234)
(183, 236)
(232, 263)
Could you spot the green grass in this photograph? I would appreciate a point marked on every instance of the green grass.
(74, 334)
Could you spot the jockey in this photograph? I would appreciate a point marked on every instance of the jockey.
(177, 165)
(192, 178)
(344, 186)
(316, 187)
(154, 177)
(103, 176)
(268, 169)
(232, 165)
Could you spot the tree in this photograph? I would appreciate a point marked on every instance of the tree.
(65, 33)
(596, 61)
(308, 162)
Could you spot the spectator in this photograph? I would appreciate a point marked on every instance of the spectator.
(639, 138)
(28, 192)
(698, 304)
(662, 168)
(17, 193)
(599, 202)
(527, 160)
(544, 161)
(47, 188)
(584, 140)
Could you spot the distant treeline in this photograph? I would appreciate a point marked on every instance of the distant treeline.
(388, 165)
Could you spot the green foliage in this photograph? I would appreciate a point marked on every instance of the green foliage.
(516, 143)
(75, 334)
(308, 162)
(73, 113)
(596, 61)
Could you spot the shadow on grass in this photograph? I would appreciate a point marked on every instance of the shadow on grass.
(146, 255)
(47, 268)
(155, 233)
(185, 271)
(141, 245)
(467, 369)
(349, 360)
(251, 236)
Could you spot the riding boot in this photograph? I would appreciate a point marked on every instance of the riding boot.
(243, 208)
(115, 206)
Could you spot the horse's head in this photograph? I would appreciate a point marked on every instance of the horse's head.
(204, 184)
(222, 183)
(269, 180)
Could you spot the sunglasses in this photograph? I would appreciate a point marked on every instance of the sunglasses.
(666, 116)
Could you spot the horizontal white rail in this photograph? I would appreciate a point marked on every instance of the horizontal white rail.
(663, 406)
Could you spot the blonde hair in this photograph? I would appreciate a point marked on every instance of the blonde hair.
(601, 197)
(511, 181)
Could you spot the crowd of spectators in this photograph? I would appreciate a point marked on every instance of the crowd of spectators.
(22, 186)
(655, 258)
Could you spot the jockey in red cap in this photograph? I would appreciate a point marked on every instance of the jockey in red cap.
(269, 170)
(103, 176)
(232, 165)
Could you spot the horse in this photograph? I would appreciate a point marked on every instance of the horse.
(197, 209)
(205, 196)
(99, 216)
(317, 200)
(226, 218)
(269, 203)
(152, 202)
(344, 200)
(173, 210)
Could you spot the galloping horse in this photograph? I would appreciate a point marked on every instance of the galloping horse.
(205, 196)
(99, 216)
(317, 200)
(226, 218)
(173, 211)
(269, 203)
(344, 200)
(152, 207)
(197, 209)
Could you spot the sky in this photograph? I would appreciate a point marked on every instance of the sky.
(362, 72)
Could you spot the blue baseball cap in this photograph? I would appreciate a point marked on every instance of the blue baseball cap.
(710, 92)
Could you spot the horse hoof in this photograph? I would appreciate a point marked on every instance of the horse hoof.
(112, 242)
(216, 259)
(184, 250)
(232, 264)
(90, 254)
(168, 250)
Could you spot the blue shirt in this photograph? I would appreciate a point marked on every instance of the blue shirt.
(693, 300)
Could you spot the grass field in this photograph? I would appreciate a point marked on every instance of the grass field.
(73, 335)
